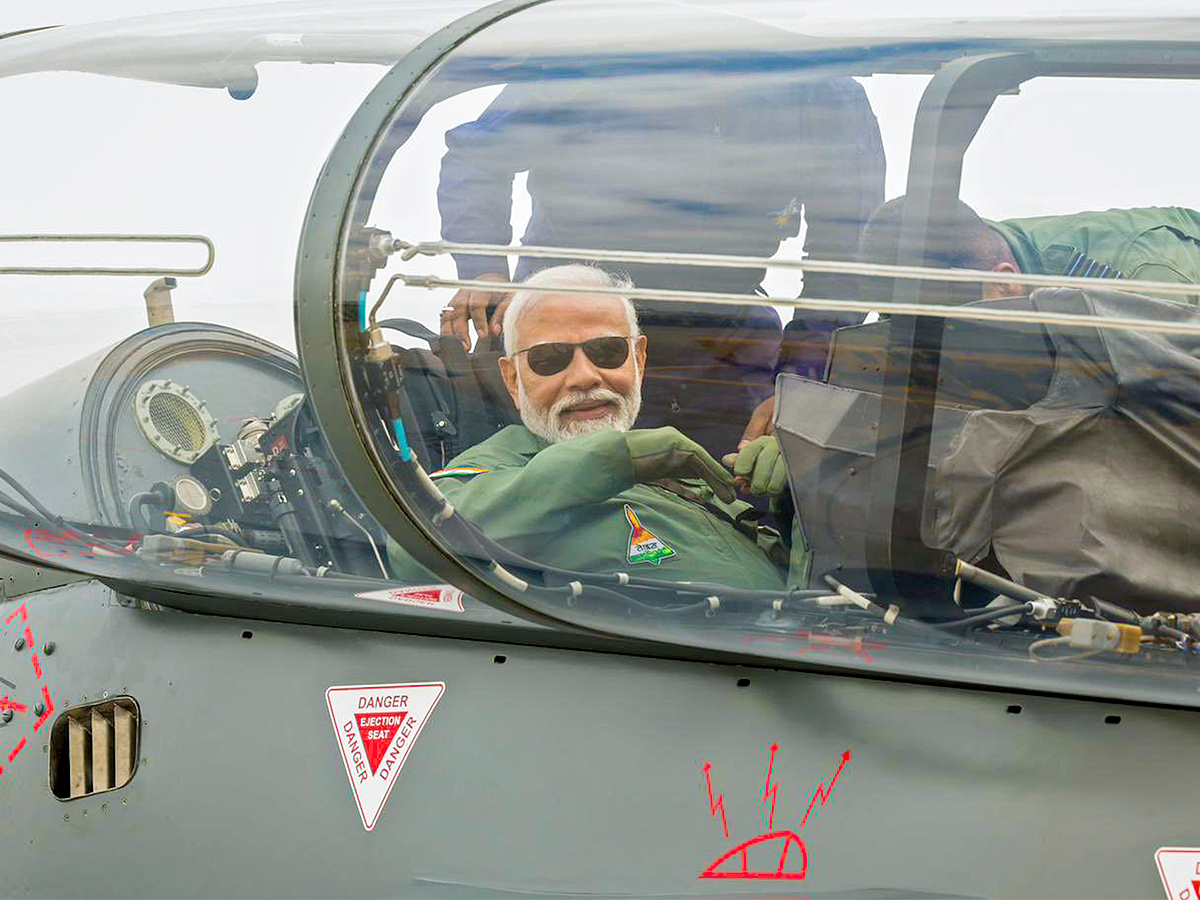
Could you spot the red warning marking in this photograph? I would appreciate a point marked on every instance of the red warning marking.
(771, 790)
(47, 544)
(444, 597)
(739, 862)
(821, 793)
(736, 863)
(37, 666)
(49, 708)
(377, 731)
(1179, 868)
(375, 727)
(5, 703)
(16, 750)
(719, 803)
(19, 611)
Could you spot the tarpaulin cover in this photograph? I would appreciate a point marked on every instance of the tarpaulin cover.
(1095, 489)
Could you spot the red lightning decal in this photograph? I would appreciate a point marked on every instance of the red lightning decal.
(821, 793)
(19, 611)
(719, 803)
(49, 708)
(5, 703)
(16, 750)
(770, 790)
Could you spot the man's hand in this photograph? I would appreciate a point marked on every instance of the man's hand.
(470, 305)
(760, 466)
(665, 452)
(760, 422)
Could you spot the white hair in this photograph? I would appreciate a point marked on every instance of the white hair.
(573, 275)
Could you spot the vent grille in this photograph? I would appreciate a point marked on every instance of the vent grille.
(94, 748)
(174, 420)
(178, 422)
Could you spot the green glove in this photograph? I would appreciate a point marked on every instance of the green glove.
(761, 465)
(666, 453)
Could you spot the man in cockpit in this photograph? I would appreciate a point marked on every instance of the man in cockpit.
(713, 168)
(577, 487)
(1147, 244)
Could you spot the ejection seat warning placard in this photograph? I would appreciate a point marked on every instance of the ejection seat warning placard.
(375, 726)
(1179, 868)
(427, 596)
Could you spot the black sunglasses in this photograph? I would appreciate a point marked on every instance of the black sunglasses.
(552, 358)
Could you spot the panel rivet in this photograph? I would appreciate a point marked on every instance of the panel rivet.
(6, 716)
(39, 708)
(48, 647)
(19, 644)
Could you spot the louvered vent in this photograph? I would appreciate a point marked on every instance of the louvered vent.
(94, 748)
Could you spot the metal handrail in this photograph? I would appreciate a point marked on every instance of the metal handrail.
(117, 238)
(972, 313)
(919, 273)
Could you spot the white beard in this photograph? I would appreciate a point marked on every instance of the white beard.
(549, 426)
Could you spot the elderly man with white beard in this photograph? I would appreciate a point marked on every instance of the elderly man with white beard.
(576, 487)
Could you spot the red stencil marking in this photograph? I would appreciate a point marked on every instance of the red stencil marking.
(719, 803)
(821, 793)
(786, 840)
(37, 666)
(16, 750)
(19, 611)
(6, 703)
(736, 863)
(771, 790)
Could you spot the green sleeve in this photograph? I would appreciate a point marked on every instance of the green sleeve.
(543, 496)
(521, 505)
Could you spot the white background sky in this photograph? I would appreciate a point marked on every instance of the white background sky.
(87, 153)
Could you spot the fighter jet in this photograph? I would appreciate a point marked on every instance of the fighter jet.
(262, 637)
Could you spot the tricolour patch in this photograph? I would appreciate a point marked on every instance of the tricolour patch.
(1179, 868)
(442, 597)
(375, 726)
(459, 470)
(644, 545)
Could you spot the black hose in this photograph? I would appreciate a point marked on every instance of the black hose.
(136, 502)
(987, 616)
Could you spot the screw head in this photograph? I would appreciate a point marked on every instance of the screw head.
(39, 708)
(48, 647)
(19, 644)
(6, 716)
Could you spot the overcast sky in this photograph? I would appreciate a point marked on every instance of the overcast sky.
(88, 153)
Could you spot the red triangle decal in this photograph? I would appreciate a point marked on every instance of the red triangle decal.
(377, 730)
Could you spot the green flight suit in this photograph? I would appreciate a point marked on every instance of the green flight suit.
(1149, 244)
(576, 505)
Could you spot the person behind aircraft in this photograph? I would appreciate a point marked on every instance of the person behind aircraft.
(1147, 244)
(726, 170)
(576, 485)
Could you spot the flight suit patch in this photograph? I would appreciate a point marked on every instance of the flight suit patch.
(644, 545)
